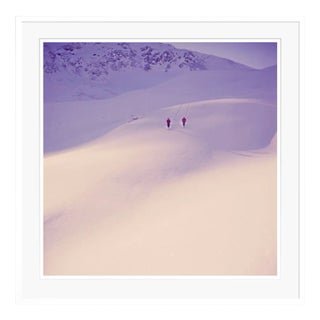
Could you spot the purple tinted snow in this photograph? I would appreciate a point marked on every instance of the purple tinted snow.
(116, 72)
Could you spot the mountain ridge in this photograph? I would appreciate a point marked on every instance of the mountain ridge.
(101, 70)
(97, 60)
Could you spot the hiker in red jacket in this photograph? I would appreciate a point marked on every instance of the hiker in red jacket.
(168, 122)
(184, 120)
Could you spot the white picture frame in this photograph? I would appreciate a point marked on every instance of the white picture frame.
(33, 286)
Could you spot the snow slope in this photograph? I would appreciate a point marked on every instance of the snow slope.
(68, 124)
(146, 200)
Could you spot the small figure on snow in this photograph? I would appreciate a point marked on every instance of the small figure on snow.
(168, 123)
(184, 120)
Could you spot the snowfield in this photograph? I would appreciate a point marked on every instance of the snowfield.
(124, 195)
(143, 199)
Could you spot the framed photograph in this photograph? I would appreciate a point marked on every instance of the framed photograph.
(159, 160)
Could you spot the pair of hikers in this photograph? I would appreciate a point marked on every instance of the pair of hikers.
(183, 120)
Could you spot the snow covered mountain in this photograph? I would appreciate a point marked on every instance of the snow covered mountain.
(84, 71)
(91, 88)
